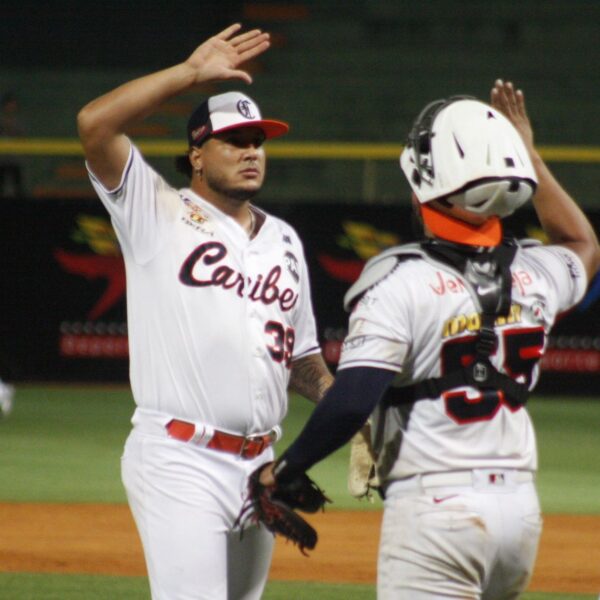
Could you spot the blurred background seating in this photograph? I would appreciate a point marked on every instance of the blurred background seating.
(352, 71)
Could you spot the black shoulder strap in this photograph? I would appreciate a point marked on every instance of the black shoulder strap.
(488, 278)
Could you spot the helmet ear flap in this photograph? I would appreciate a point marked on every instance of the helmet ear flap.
(419, 138)
(424, 142)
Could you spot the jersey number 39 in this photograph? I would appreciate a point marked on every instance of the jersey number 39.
(281, 347)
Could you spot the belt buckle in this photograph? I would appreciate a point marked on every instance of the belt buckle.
(260, 439)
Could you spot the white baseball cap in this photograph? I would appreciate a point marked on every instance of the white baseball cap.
(231, 110)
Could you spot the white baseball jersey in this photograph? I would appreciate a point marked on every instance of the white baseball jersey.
(214, 318)
(421, 321)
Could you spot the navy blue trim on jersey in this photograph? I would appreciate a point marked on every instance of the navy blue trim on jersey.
(124, 175)
(382, 364)
(340, 414)
(309, 352)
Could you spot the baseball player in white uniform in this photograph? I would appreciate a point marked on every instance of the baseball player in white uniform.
(219, 316)
(443, 348)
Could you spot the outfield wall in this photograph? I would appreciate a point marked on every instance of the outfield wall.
(63, 312)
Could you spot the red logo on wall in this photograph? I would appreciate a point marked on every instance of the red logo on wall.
(92, 336)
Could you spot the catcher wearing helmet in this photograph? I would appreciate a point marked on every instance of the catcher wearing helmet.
(443, 350)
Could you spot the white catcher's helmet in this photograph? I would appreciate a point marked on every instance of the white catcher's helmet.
(465, 152)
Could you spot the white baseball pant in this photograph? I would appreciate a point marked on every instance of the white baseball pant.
(185, 500)
(463, 534)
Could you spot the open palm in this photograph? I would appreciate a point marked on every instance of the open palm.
(220, 56)
(511, 103)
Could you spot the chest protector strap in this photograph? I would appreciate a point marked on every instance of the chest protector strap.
(488, 278)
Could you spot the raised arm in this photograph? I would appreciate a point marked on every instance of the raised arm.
(563, 221)
(103, 121)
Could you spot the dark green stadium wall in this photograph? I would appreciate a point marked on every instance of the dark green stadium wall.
(338, 71)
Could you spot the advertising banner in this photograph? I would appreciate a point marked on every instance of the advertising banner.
(63, 293)
(63, 314)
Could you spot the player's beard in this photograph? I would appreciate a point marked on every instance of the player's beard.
(218, 185)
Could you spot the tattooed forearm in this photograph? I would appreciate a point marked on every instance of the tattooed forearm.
(310, 377)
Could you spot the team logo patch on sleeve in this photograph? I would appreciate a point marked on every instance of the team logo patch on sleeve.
(355, 342)
(291, 262)
(538, 311)
(572, 266)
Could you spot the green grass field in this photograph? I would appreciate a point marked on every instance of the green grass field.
(63, 444)
(20, 586)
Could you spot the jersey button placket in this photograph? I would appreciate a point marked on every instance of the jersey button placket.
(254, 327)
(258, 358)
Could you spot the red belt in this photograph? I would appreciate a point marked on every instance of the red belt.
(246, 447)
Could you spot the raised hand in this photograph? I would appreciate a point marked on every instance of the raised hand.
(511, 103)
(219, 57)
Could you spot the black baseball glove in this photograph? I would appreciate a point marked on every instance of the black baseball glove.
(274, 507)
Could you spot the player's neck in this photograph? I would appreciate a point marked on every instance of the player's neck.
(239, 210)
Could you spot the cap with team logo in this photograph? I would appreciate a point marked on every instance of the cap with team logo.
(231, 110)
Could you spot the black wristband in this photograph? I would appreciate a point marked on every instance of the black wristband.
(284, 471)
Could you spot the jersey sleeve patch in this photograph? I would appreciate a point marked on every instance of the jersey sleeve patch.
(569, 283)
(370, 344)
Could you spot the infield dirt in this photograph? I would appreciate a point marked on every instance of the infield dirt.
(101, 539)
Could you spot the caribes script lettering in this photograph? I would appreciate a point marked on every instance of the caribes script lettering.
(264, 289)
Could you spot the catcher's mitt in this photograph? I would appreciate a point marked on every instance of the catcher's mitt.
(273, 506)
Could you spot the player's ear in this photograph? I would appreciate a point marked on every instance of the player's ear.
(195, 157)
(195, 154)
